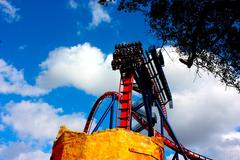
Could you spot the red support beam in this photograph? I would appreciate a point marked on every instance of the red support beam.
(126, 88)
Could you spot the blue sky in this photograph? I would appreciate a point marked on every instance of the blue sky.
(55, 60)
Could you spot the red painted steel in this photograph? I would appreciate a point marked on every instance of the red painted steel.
(126, 89)
(163, 107)
(96, 106)
(190, 154)
(158, 95)
(124, 97)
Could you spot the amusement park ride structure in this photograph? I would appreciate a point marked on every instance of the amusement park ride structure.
(140, 72)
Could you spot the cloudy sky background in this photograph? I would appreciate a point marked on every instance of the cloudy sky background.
(55, 60)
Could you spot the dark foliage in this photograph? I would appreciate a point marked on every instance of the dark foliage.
(207, 32)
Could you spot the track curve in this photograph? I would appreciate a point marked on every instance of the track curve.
(190, 154)
(96, 106)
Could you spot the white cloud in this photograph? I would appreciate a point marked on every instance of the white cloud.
(204, 111)
(83, 66)
(98, 14)
(38, 120)
(12, 82)
(10, 11)
(78, 33)
(22, 47)
(21, 151)
(2, 127)
(73, 4)
(36, 125)
(232, 138)
(226, 146)
(38, 155)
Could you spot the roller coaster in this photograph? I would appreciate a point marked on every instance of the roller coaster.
(141, 75)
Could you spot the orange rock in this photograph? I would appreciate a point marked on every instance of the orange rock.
(114, 144)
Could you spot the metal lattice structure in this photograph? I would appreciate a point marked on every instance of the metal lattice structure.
(140, 72)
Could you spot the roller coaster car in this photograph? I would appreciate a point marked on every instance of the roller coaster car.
(130, 56)
(127, 56)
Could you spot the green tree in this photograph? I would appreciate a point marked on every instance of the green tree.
(206, 33)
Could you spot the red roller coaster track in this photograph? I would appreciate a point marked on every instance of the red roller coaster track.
(143, 74)
(190, 154)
